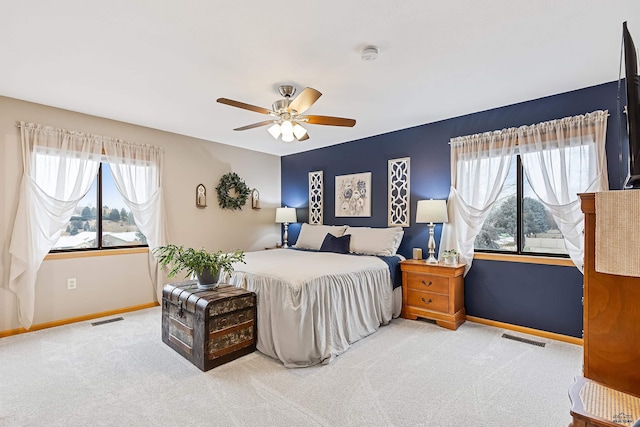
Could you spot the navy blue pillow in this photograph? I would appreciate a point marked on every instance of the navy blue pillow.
(339, 245)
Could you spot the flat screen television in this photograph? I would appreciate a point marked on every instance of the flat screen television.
(633, 108)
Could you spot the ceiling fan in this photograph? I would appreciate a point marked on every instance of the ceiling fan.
(287, 114)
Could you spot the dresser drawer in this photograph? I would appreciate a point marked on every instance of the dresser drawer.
(428, 301)
(427, 283)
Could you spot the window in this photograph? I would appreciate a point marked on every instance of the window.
(110, 226)
(60, 168)
(518, 222)
(546, 164)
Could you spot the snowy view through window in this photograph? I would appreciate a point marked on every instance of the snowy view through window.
(118, 225)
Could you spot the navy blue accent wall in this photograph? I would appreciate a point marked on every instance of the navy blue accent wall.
(543, 297)
(494, 290)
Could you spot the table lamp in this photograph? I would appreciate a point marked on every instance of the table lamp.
(285, 216)
(431, 211)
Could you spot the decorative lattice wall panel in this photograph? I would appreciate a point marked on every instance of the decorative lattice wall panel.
(316, 185)
(399, 192)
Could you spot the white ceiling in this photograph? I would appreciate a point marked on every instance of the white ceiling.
(163, 64)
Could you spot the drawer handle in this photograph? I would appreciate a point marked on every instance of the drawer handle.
(427, 302)
(427, 284)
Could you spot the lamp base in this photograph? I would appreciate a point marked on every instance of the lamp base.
(432, 246)
(285, 237)
(431, 260)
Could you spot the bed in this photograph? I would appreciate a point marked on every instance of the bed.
(314, 302)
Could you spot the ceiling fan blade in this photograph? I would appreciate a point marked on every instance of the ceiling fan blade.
(328, 120)
(305, 100)
(304, 137)
(244, 106)
(256, 125)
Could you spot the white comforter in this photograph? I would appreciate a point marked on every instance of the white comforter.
(313, 305)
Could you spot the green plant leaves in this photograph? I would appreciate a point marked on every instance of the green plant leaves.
(190, 260)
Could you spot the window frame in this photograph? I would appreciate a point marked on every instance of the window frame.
(99, 219)
(519, 225)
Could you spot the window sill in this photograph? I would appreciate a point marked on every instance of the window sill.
(86, 254)
(527, 259)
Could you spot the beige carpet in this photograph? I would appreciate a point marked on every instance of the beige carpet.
(410, 373)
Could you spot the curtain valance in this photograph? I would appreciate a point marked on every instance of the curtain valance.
(76, 136)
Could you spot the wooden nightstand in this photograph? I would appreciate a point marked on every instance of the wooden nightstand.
(433, 291)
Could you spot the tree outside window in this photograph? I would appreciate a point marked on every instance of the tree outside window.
(528, 230)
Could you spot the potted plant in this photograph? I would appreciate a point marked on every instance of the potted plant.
(450, 256)
(206, 266)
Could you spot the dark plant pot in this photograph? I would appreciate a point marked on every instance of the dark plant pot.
(206, 280)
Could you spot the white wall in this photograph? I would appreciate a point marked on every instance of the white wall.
(112, 282)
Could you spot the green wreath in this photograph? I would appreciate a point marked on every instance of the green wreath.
(227, 183)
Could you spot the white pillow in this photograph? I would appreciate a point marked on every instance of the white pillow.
(312, 236)
(375, 241)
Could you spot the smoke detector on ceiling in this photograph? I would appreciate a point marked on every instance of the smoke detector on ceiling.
(369, 53)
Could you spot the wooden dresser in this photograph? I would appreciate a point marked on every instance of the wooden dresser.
(433, 291)
(611, 317)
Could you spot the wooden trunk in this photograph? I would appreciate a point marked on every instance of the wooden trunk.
(208, 327)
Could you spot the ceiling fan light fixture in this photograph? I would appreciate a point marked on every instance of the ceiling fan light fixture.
(286, 127)
(287, 131)
(274, 130)
(287, 113)
(287, 137)
(299, 131)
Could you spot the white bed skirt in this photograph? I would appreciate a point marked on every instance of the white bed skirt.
(313, 305)
(397, 302)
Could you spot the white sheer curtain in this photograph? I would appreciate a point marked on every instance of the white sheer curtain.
(479, 166)
(59, 168)
(562, 158)
(137, 172)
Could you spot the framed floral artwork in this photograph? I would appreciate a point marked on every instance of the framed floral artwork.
(353, 195)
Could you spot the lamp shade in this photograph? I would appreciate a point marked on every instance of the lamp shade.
(432, 211)
(299, 131)
(287, 131)
(285, 214)
(274, 130)
(286, 127)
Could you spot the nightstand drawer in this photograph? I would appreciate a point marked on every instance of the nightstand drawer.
(428, 301)
(428, 283)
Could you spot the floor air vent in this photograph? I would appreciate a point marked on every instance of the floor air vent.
(524, 340)
(102, 322)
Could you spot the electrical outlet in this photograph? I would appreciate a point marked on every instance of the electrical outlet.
(71, 283)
